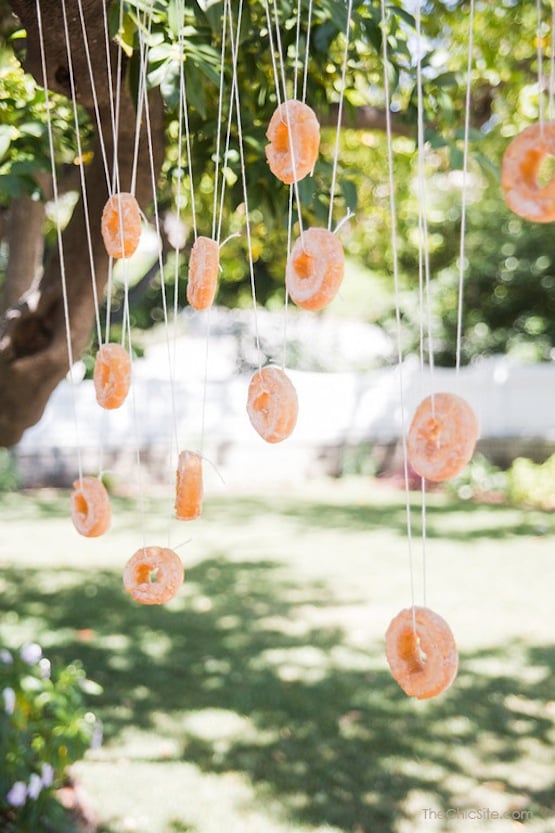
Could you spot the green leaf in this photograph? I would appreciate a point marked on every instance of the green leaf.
(350, 193)
(7, 134)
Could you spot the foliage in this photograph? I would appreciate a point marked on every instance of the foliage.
(480, 479)
(533, 484)
(525, 483)
(24, 142)
(9, 476)
(44, 727)
(509, 295)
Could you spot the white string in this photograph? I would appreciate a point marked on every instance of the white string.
(158, 235)
(98, 118)
(179, 177)
(115, 110)
(225, 156)
(115, 102)
(307, 50)
(423, 258)
(539, 52)
(464, 195)
(289, 128)
(552, 63)
(59, 236)
(142, 94)
(81, 172)
(291, 191)
(423, 254)
(273, 54)
(340, 114)
(218, 132)
(395, 256)
(297, 49)
(235, 86)
(185, 111)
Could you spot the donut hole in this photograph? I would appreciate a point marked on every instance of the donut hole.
(410, 651)
(281, 137)
(81, 505)
(303, 265)
(147, 574)
(545, 170)
(433, 430)
(262, 402)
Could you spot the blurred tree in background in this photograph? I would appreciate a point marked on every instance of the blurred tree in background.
(509, 277)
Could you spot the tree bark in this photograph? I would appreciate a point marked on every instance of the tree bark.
(25, 233)
(33, 341)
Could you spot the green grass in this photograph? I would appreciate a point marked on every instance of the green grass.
(259, 700)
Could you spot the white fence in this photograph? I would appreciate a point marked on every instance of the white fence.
(515, 405)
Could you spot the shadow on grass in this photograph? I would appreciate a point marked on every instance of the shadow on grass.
(319, 727)
(369, 515)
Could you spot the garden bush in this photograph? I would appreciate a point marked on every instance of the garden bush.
(44, 727)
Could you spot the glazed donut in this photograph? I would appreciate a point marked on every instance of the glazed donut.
(294, 136)
(315, 268)
(442, 436)
(272, 404)
(519, 174)
(204, 265)
(421, 652)
(90, 507)
(153, 575)
(112, 375)
(188, 490)
(121, 225)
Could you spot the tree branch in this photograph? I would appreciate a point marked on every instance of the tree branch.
(33, 344)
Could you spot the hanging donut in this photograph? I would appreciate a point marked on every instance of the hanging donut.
(153, 575)
(421, 652)
(294, 136)
(442, 436)
(188, 490)
(272, 404)
(520, 169)
(204, 266)
(112, 375)
(90, 507)
(315, 269)
(121, 225)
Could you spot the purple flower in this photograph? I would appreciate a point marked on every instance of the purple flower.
(97, 736)
(6, 657)
(31, 653)
(17, 796)
(9, 700)
(35, 785)
(47, 775)
(44, 668)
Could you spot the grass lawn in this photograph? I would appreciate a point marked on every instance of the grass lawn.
(259, 700)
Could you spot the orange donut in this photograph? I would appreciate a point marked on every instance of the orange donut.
(442, 436)
(315, 269)
(204, 266)
(188, 491)
(153, 575)
(423, 658)
(90, 507)
(272, 404)
(294, 136)
(112, 375)
(519, 174)
(121, 225)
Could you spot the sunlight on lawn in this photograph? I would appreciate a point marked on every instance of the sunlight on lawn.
(259, 700)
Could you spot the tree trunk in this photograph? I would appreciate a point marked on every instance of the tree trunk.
(33, 342)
